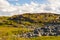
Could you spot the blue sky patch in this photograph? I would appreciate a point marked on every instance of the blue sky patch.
(21, 2)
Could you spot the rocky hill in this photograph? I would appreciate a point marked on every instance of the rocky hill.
(36, 18)
(30, 19)
(39, 24)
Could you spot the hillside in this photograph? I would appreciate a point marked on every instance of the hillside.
(30, 19)
(30, 25)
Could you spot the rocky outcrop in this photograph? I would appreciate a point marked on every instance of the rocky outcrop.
(44, 31)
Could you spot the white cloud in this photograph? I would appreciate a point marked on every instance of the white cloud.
(55, 4)
(7, 9)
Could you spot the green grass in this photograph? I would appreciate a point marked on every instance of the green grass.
(7, 32)
(35, 38)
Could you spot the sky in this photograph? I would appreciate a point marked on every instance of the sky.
(14, 7)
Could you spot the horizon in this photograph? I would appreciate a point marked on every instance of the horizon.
(27, 13)
(15, 7)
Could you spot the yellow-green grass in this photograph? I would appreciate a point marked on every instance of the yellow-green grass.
(42, 38)
(6, 34)
(5, 31)
(35, 38)
(12, 28)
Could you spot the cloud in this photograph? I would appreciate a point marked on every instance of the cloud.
(37, 8)
(7, 9)
(55, 4)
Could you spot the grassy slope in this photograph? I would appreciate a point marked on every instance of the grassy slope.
(13, 25)
(29, 19)
(42, 38)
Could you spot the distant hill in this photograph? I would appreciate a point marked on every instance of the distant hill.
(37, 17)
(30, 19)
(30, 25)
